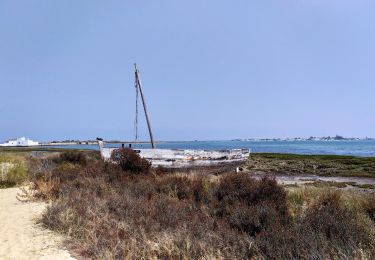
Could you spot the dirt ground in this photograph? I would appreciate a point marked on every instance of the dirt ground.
(20, 235)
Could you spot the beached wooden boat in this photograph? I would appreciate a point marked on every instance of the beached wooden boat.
(177, 158)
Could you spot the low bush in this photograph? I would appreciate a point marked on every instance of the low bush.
(12, 174)
(368, 205)
(129, 160)
(73, 157)
(251, 205)
(13, 170)
(328, 230)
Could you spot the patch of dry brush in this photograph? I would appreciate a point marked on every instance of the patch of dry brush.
(111, 211)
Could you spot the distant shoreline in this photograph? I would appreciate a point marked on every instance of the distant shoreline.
(328, 139)
(359, 148)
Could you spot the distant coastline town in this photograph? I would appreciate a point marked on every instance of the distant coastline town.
(311, 138)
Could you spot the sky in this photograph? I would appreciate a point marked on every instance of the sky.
(211, 69)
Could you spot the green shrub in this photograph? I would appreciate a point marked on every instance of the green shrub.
(12, 174)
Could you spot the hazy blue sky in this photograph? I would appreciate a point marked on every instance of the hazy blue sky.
(211, 69)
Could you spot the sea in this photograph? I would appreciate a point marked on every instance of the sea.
(363, 148)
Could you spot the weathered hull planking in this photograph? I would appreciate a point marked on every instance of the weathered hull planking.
(176, 158)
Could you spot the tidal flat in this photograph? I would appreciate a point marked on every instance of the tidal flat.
(320, 165)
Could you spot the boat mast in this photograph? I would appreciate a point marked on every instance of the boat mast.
(139, 86)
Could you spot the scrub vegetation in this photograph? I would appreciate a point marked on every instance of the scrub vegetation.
(17, 165)
(128, 210)
(322, 165)
(13, 170)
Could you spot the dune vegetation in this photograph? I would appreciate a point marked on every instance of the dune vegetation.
(322, 165)
(13, 170)
(128, 210)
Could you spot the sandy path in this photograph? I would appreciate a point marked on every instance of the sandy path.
(20, 236)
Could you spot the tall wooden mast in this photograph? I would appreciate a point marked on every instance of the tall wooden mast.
(139, 86)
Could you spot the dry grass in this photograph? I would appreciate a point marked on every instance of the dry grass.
(327, 225)
(13, 170)
(109, 213)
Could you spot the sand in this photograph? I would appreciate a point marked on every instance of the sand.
(20, 236)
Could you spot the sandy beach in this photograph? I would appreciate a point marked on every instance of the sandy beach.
(20, 236)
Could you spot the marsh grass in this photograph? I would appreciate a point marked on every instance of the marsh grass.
(364, 186)
(337, 185)
(323, 184)
(322, 165)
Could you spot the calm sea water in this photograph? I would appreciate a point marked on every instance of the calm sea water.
(357, 148)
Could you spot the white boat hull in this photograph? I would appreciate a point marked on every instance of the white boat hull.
(176, 158)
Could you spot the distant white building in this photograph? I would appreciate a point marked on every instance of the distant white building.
(23, 141)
